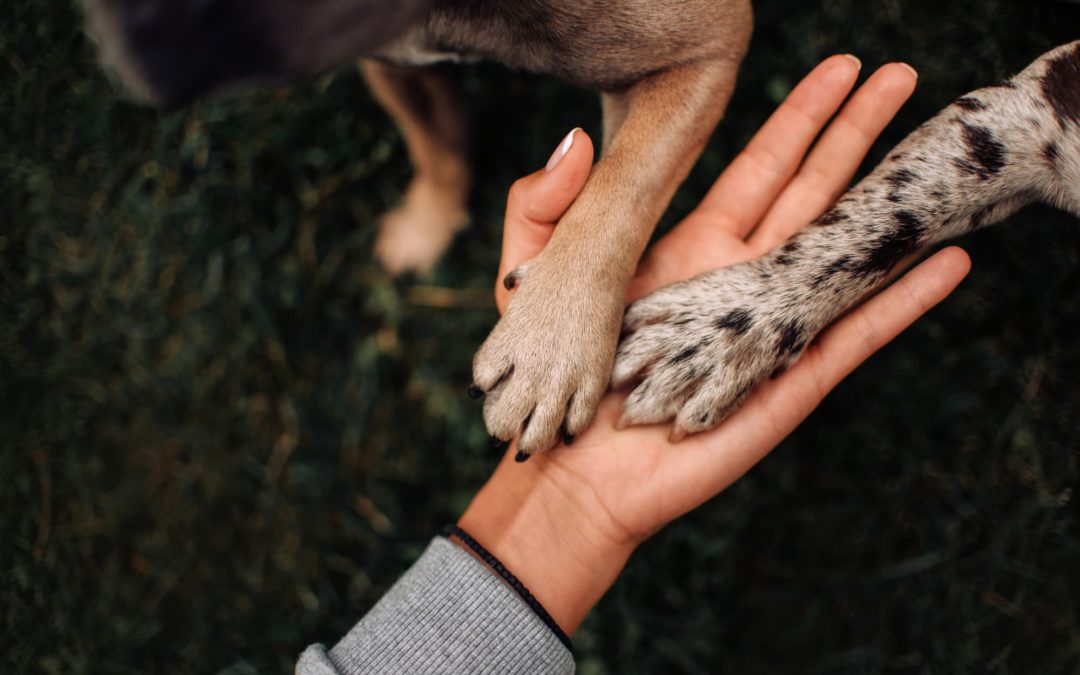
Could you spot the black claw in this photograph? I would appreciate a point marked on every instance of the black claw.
(510, 281)
(498, 443)
(568, 439)
(475, 392)
(521, 457)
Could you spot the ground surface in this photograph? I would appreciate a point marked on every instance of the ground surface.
(224, 431)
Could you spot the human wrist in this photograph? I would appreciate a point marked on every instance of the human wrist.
(549, 536)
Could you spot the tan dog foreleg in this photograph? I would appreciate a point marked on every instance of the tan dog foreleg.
(548, 361)
(425, 105)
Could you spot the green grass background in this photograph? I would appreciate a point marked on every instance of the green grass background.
(224, 431)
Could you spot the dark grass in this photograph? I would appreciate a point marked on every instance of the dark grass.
(225, 431)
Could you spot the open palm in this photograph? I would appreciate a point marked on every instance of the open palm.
(626, 484)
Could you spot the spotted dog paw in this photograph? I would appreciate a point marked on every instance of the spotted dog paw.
(694, 350)
(547, 363)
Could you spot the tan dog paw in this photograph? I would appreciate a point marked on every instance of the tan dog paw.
(547, 363)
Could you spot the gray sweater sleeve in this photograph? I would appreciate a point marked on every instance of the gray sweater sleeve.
(447, 614)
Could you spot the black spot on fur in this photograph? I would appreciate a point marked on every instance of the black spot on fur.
(1051, 154)
(897, 181)
(792, 339)
(831, 217)
(979, 219)
(890, 248)
(901, 178)
(684, 354)
(738, 321)
(841, 264)
(786, 257)
(986, 154)
(970, 103)
(1061, 86)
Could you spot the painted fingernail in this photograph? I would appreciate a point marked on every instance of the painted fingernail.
(913, 71)
(475, 392)
(858, 63)
(561, 151)
(520, 457)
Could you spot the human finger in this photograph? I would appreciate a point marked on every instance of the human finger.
(537, 202)
(836, 156)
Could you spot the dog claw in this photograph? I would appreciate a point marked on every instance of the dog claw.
(498, 443)
(475, 392)
(512, 279)
(677, 434)
(521, 457)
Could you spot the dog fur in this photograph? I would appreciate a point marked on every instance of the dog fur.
(697, 348)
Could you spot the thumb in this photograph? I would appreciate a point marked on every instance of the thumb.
(537, 202)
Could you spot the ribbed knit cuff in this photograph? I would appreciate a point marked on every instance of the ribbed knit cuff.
(447, 614)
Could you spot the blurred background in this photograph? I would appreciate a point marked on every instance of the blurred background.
(224, 431)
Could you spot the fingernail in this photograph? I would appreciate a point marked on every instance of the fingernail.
(475, 392)
(520, 457)
(858, 63)
(561, 151)
(913, 71)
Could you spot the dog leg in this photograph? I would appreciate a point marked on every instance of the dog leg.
(614, 107)
(548, 361)
(425, 105)
(697, 348)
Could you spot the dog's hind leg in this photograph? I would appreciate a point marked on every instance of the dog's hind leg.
(425, 105)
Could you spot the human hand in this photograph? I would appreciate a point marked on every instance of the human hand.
(567, 521)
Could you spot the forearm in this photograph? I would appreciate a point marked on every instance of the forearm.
(447, 614)
(537, 523)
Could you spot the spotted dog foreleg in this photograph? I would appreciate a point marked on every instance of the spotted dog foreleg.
(697, 348)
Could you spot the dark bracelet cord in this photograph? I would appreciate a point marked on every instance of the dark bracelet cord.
(508, 576)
